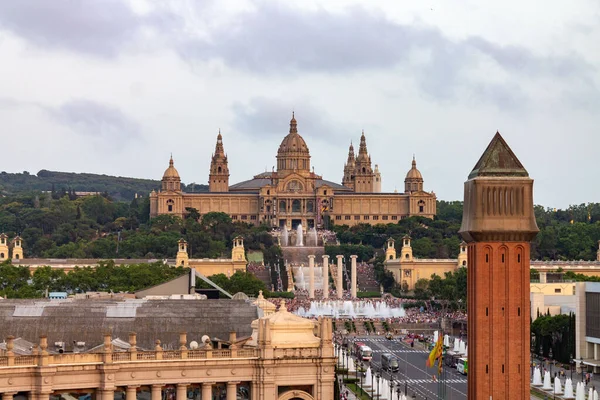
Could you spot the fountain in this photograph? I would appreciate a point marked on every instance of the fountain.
(312, 239)
(537, 377)
(446, 341)
(595, 395)
(384, 389)
(579, 393)
(299, 236)
(340, 360)
(435, 336)
(590, 394)
(368, 380)
(568, 389)
(284, 236)
(557, 386)
(547, 384)
(462, 347)
(351, 309)
(456, 348)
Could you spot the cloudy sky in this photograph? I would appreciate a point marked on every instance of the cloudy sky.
(115, 86)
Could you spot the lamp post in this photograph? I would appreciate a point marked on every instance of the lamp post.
(571, 365)
(550, 361)
(362, 365)
(392, 386)
(347, 366)
(532, 350)
(377, 378)
(398, 391)
(581, 367)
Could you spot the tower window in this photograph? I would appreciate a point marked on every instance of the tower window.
(518, 258)
(219, 169)
(17, 256)
(364, 170)
(2, 255)
(487, 258)
(268, 192)
(502, 257)
(464, 263)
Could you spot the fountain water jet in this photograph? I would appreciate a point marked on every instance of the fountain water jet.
(557, 386)
(547, 384)
(568, 389)
(299, 236)
(537, 377)
(284, 236)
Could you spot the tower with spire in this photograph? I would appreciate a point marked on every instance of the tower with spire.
(413, 183)
(364, 178)
(349, 166)
(218, 178)
(171, 182)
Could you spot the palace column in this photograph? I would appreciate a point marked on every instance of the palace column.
(325, 276)
(340, 277)
(182, 391)
(232, 390)
(8, 395)
(156, 392)
(131, 393)
(311, 276)
(207, 390)
(353, 258)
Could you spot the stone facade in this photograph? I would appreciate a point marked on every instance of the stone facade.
(294, 194)
(498, 225)
(288, 361)
(407, 270)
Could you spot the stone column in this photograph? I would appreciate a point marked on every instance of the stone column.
(8, 395)
(131, 393)
(106, 394)
(340, 277)
(207, 390)
(182, 391)
(353, 289)
(311, 276)
(156, 392)
(325, 276)
(232, 390)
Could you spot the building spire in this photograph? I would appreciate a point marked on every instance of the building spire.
(171, 160)
(293, 125)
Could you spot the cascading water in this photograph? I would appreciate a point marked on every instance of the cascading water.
(351, 309)
(311, 239)
(299, 235)
(368, 378)
(446, 340)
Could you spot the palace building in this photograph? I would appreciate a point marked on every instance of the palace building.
(294, 194)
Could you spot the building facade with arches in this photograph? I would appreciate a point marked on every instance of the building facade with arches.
(292, 193)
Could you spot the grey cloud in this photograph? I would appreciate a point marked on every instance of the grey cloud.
(99, 27)
(96, 119)
(278, 39)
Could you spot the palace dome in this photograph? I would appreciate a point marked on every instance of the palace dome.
(171, 173)
(414, 173)
(293, 142)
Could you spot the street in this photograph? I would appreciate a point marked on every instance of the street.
(412, 371)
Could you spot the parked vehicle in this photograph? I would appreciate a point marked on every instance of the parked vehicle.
(389, 362)
(451, 358)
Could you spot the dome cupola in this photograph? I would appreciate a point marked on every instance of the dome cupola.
(171, 180)
(414, 179)
(293, 153)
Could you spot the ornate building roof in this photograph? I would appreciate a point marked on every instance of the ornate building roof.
(293, 142)
(414, 173)
(171, 172)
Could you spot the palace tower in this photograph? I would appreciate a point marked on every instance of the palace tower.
(498, 225)
(218, 178)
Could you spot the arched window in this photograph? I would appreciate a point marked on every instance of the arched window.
(2, 256)
(421, 206)
(268, 192)
(391, 257)
(406, 256)
(464, 263)
(296, 206)
(219, 170)
(282, 206)
(310, 206)
(295, 186)
(170, 204)
(17, 256)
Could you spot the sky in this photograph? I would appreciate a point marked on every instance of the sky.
(117, 86)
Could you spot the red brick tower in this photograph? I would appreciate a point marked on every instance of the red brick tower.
(498, 225)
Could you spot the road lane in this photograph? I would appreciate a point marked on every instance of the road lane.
(412, 369)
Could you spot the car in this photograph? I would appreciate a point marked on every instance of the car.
(389, 336)
(389, 362)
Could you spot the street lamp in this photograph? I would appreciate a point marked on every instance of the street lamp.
(581, 366)
(532, 350)
(362, 365)
(347, 366)
(377, 378)
(392, 386)
(550, 362)
(572, 365)
(398, 392)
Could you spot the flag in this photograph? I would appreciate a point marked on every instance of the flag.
(436, 352)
